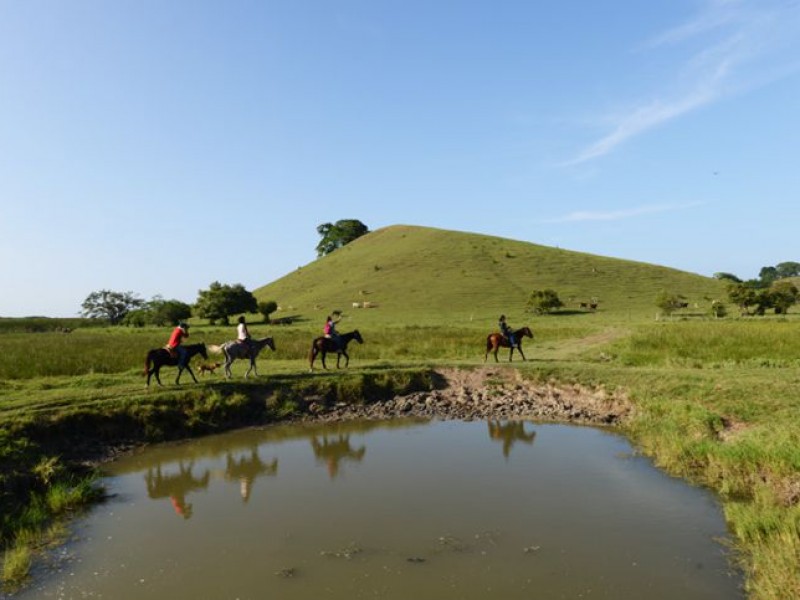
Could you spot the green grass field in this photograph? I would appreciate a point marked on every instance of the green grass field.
(717, 401)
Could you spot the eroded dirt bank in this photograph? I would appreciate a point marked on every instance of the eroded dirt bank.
(489, 393)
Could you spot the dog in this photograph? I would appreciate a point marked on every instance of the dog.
(209, 368)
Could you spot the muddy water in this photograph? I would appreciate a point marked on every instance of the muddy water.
(400, 510)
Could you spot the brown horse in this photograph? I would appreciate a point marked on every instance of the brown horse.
(324, 345)
(495, 341)
(160, 357)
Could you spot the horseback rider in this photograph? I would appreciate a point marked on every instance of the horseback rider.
(330, 330)
(174, 344)
(507, 331)
(243, 335)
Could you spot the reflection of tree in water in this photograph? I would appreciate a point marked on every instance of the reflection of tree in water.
(245, 469)
(175, 486)
(332, 451)
(510, 432)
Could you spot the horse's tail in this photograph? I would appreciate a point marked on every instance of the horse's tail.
(214, 349)
(489, 343)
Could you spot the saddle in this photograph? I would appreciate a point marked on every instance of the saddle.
(171, 351)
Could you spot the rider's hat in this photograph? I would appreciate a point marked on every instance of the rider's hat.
(183, 325)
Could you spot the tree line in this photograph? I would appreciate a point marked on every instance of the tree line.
(217, 304)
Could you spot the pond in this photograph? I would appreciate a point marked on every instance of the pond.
(396, 509)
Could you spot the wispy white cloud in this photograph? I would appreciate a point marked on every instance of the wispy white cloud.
(617, 215)
(748, 43)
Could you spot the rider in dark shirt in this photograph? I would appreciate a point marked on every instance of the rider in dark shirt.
(506, 331)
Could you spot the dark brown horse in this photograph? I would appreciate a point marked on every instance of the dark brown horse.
(324, 345)
(160, 357)
(495, 341)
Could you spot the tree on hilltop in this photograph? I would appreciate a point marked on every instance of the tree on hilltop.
(336, 235)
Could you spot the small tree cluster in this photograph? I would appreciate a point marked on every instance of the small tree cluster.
(779, 297)
(766, 276)
(544, 301)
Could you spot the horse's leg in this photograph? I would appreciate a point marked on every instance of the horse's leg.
(324, 366)
(252, 367)
(496, 350)
(519, 348)
(189, 368)
(178, 378)
(157, 373)
(311, 357)
(346, 359)
(228, 361)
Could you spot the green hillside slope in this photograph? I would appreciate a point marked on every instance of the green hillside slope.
(423, 275)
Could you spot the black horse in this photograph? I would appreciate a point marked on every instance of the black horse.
(160, 357)
(324, 345)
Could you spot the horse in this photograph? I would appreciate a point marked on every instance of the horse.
(161, 357)
(324, 345)
(236, 349)
(495, 341)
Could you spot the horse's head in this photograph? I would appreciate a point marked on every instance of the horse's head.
(527, 331)
(203, 351)
(271, 343)
(357, 337)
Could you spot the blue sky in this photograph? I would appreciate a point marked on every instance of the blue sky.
(156, 147)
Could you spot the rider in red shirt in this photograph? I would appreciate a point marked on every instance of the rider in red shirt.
(174, 343)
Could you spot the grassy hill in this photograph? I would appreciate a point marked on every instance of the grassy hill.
(421, 275)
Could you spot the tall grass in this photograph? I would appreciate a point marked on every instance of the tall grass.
(122, 350)
(713, 344)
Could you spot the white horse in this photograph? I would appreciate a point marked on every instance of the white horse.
(236, 349)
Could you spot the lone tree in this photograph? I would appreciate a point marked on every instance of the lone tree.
(220, 301)
(669, 303)
(544, 301)
(106, 304)
(336, 235)
(267, 308)
(783, 295)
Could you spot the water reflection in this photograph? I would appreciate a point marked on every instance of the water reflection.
(175, 486)
(508, 433)
(334, 451)
(246, 469)
(462, 523)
